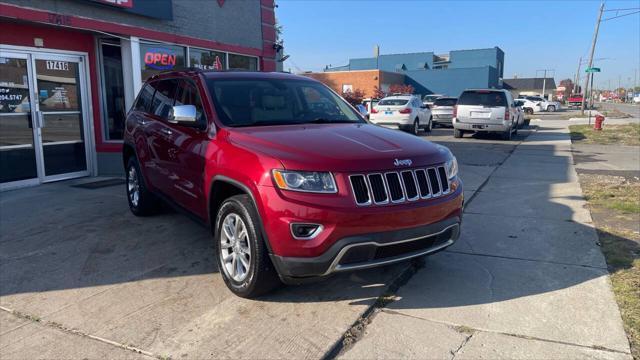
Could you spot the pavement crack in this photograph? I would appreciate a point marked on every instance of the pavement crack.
(526, 259)
(357, 330)
(464, 342)
(464, 329)
(33, 319)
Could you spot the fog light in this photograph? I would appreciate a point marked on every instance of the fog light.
(305, 231)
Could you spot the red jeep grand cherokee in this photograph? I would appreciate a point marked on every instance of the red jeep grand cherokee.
(293, 181)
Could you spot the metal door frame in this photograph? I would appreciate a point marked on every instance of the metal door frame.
(31, 54)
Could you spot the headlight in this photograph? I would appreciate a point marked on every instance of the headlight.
(452, 167)
(307, 181)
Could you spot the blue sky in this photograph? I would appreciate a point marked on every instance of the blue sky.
(533, 34)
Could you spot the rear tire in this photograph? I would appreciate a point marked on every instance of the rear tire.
(242, 255)
(141, 201)
(507, 135)
(551, 108)
(416, 127)
(457, 133)
(430, 125)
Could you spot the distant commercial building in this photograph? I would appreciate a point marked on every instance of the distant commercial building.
(530, 86)
(365, 80)
(431, 73)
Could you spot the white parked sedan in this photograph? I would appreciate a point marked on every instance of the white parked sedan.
(405, 112)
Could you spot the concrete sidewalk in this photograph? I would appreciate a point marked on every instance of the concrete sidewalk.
(526, 280)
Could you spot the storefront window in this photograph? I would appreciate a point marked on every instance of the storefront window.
(207, 60)
(155, 58)
(114, 105)
(243, 62)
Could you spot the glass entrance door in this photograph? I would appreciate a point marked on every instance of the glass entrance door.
(59, 86)
(42, 118)
(17, 133)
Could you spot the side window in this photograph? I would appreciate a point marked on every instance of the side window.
(144, 98)
(187, 94)
(164, 97)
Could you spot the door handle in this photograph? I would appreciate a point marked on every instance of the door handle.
(39, 119)
(166, 131)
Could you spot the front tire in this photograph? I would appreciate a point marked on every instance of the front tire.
(457, 133)
(551, 108)
(141, 201)
(242, 256)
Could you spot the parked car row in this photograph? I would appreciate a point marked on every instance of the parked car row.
(476, 110)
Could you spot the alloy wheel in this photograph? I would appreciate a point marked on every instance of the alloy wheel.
(235, 248)
(133, 186)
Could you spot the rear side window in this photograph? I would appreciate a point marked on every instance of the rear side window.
(445, 102)
(188, 95)
(483, 98)
(393, 102)
(144, 99)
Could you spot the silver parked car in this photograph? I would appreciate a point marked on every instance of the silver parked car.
(442, 110)
(488, 110)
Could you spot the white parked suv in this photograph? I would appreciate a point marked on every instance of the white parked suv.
(530, 107)
(487, 110)
(405, 112)
(545, 104)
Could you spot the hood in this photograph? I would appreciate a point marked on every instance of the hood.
(339, 147)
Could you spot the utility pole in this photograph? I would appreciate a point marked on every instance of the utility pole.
(593, 48)
(575, 83)
(544, 82)
(544, 78)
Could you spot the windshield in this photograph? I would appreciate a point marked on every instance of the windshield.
(262, 102)
(484, 98)
(393, 102)
(445, 102)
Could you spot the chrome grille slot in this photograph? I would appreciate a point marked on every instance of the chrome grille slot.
(378, 189)
(360, 189)
(410, 186)
(434, 182)
(444, 180)
(423, 184)
(395, 187)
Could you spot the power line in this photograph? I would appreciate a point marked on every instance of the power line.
(619, 16)
(638, 8)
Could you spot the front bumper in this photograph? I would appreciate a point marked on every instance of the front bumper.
(370, 250)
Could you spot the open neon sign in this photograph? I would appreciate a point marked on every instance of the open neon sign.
(160, 59)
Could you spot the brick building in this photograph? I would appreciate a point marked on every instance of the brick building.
(70, 70)
(365, 80)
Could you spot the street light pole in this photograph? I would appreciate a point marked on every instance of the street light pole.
(593, 48)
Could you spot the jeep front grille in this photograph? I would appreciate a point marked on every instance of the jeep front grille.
(397, 187)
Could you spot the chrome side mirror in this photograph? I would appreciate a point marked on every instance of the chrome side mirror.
(183, 114)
